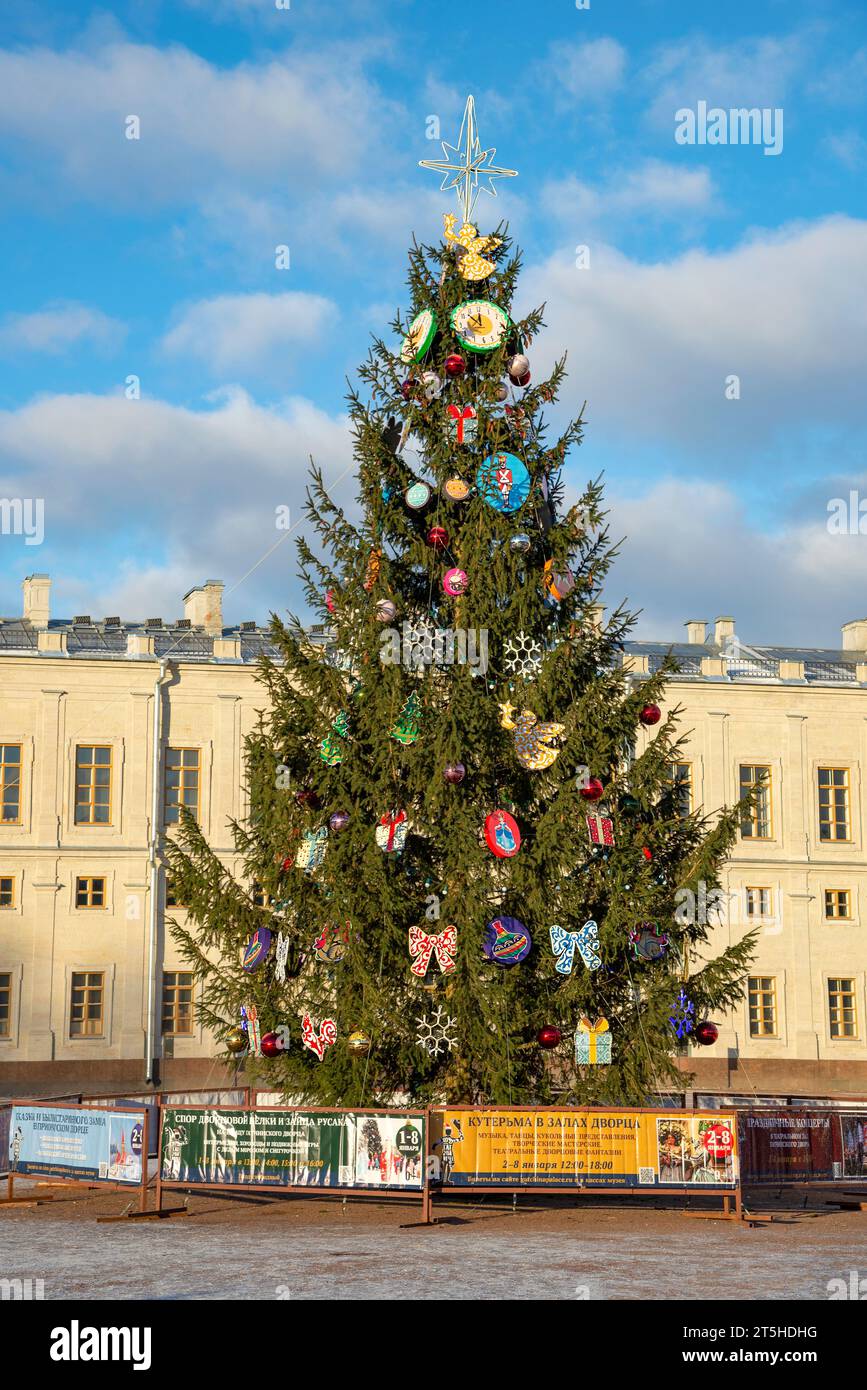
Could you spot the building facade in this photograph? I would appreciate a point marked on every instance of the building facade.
(107, 727)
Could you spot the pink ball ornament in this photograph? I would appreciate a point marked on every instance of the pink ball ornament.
(386, 610)
(454, 773)
(455, 582)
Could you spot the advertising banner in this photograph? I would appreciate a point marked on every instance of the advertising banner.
(294, 1148)
(787, 1145)
(588, 1148)
(851, 1159)
(102, 1145)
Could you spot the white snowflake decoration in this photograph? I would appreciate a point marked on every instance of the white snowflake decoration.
(434, 1033)
(523, 656)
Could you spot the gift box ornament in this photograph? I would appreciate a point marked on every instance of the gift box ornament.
(600, 829)
(461, 424)
(442, 947)
(593, 1043)
(392, 831)
(312, 849)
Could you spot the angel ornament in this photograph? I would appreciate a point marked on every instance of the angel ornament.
(473, 264)
(532, 739)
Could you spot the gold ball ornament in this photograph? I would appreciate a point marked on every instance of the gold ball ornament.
(358, 1044)
(236, 1041)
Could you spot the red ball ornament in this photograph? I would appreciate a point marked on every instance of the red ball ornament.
(308, 799)
(522, 380)
(329, 600)
(438, 537)
(651, 714)
(549, 1036)
(271, 1045)
(705, 1033)
(593, 791)
(648, 854)
(455, 365)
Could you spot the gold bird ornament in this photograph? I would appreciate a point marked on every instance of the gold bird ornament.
(532, 739)
(473, 265)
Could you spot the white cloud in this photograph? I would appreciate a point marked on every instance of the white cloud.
(653, 187)
(587, 70)
(189, 494)
(248, 330)
(651, 345)
(294, 119)
(692, 551)
(749, 72)
(58, 327)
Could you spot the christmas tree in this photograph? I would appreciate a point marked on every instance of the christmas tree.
(469, 885)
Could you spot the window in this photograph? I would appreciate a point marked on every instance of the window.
(172, 891)
(756, 820)
(182, 783)
(838, 905)
(92, 785)
(759, 902)
(259, 896)
(680, 778)
(86, 1004)
(7, 891)
(10, 783)
(842, 1013)
(178, 1002)
(5, 1005)
(90, 892)
(834, 803)
(762, 996)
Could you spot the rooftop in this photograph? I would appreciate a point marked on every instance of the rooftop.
(200, 636)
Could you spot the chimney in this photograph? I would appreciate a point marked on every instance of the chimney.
(723, 629)
(855, 635)
(696, 632)
(37, 591)
(204, 607)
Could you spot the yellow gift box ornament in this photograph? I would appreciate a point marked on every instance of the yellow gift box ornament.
(593, 1042)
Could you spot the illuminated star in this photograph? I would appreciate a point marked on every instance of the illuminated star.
(473, 162)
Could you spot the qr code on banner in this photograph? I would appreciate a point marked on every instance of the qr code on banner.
(838, 1170)
(646, 1177)
(103, 1170)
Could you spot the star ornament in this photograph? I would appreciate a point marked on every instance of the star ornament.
(465, 162)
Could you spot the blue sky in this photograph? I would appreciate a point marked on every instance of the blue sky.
(259, 127)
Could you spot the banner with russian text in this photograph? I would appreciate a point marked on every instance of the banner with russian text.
(293, 1148)
(99, 1145)
(787, 1145)
(587, 1148)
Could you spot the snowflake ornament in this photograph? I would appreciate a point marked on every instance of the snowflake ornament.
(434, 1033)
(523, 656)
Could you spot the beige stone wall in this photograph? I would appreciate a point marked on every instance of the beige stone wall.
(50, 705)
(794, 730)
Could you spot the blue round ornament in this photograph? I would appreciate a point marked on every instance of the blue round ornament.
(506, 941)
(503, 482)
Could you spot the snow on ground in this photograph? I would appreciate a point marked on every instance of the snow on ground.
(493, 1258)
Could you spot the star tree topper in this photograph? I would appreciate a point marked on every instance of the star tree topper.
(468, 161)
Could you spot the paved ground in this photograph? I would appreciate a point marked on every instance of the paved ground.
(313, 1249)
